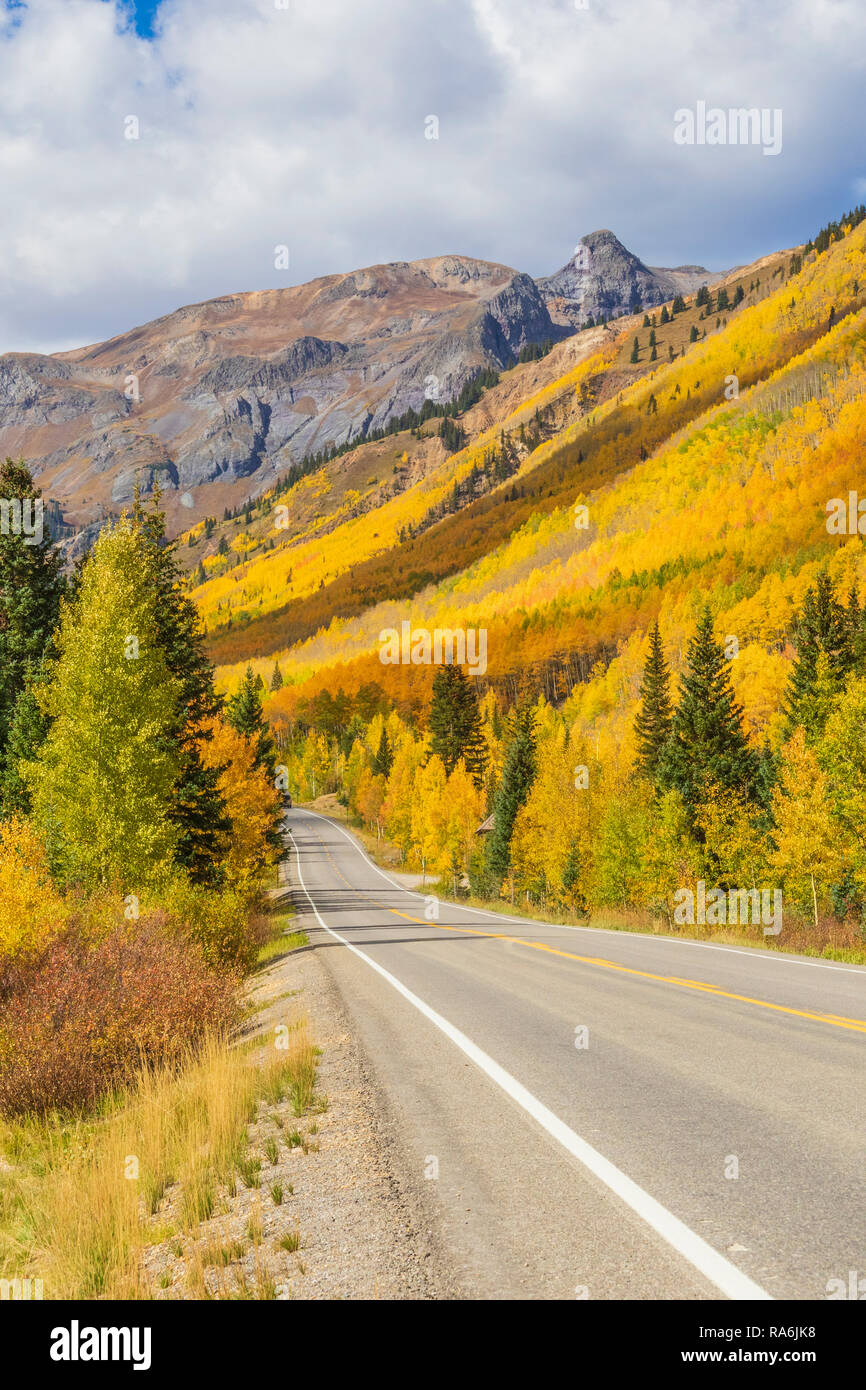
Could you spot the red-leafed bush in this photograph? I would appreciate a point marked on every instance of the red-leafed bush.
(80, 1018)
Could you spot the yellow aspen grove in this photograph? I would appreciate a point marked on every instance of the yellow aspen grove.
(808, 850)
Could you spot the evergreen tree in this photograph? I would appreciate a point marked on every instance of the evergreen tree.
(653, 722)
(634, 351)
(823, 634)
(244, 713)
(28, 730)
(518, 775)
(455, 723)
(571, 879)
(679, 305)
(384, 759)
(276, 677)
(199, 808)
(702, 297)
(707, 744)
(31, 587)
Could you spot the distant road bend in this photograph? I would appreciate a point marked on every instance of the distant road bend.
(603, 1114)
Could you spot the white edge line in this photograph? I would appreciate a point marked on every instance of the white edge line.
(720, 1272)
(778, 958)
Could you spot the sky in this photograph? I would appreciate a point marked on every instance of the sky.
(157, 154)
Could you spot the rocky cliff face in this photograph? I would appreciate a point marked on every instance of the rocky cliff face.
(603, 279)
(218, 399)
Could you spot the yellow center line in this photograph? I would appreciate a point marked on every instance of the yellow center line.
(855, 1025)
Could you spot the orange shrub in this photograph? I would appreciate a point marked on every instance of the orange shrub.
(80, 1019)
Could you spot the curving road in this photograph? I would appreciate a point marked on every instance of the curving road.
(597, 1114)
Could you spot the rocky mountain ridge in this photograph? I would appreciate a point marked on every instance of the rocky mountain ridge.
(217, 400)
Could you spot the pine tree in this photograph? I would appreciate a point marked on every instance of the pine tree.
(518, 774)
(199, 808)
(28, 730)
(634, 351)
(824, 658)
(653, 722)
(571, 879)
(276, 678)
(707, 745)
(31, 586)
(455, 723)
(679, 305)
(104, 782)
(384, 758)
(244, 713)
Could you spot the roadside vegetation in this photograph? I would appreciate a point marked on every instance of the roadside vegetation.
(139, 830)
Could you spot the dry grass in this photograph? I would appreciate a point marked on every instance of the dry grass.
(80, 1200)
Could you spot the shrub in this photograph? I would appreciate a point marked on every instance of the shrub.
(31, 909)
(79, 1019)
(218, 922)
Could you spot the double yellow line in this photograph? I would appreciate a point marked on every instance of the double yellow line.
(854, 1025)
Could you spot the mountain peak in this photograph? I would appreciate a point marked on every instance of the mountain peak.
(603, 279)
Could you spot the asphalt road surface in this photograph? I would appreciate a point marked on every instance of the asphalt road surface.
(598, 1114)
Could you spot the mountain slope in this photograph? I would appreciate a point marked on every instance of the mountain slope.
(218, 400)
(731, 492)
(578, 431)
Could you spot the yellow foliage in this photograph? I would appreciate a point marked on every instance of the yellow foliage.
(251, 801)
(31, 909)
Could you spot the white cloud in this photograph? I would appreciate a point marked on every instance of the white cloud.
(261, 126)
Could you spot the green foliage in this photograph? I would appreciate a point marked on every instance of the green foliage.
(384, 759)
(653, 721)
(825, 634)
(31, 587)
(103, 785)
(517, 778)
(27, 733)
(244, 713)
(455, 722)
(707, 746)
(198, 808)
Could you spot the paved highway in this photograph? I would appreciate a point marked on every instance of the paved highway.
(600, 1114)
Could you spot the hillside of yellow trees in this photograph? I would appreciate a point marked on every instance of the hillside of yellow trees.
(715, 496)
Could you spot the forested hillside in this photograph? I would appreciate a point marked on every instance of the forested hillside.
(700, 496)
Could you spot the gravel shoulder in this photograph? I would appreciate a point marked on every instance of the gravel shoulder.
(366, 1225)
